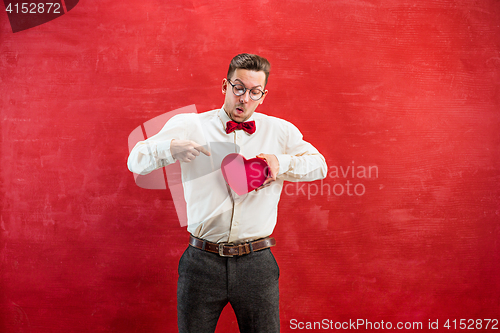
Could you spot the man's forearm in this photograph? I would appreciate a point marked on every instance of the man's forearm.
(147, 156)
(303, 168)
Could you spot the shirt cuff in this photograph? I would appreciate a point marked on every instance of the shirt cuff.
(284, 161)
(163, 151)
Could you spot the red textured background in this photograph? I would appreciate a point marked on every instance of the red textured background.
(411, 87)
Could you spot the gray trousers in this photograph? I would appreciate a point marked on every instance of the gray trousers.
(207, 282)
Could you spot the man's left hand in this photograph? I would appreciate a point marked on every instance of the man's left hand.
(274, 168)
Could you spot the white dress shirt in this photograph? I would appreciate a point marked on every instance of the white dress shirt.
(215, 212)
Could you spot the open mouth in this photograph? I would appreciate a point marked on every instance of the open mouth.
(239, 110)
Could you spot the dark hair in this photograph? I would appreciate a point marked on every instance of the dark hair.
(250, 62)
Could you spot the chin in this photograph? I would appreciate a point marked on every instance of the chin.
(238, 117)
(241, 119)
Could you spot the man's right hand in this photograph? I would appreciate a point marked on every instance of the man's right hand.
(186, 150)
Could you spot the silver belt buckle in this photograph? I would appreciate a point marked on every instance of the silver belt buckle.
(221, 250)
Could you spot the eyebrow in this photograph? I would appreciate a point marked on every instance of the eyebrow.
(245, 86)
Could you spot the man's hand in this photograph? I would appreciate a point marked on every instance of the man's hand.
(274, 168)
(186, 150)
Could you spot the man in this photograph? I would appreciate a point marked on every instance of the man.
(228, 259)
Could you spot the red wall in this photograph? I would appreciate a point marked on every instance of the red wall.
(408, 88)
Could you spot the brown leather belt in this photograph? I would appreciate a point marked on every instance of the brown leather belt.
(230, 250)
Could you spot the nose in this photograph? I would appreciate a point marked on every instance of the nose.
(245, 97)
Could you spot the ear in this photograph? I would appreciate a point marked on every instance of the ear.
(224, 86)
(263, 97)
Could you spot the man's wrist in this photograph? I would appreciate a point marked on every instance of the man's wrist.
(284, 163)
(163, 151)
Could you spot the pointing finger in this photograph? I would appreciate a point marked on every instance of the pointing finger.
(202, 149)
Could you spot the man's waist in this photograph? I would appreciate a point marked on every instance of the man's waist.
(230, 250)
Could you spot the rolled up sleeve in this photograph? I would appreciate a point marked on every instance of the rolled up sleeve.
(154, 152)
(301, 161)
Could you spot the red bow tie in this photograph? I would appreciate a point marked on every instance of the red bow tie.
(248, 126)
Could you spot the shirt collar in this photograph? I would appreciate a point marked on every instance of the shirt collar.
(223, 117)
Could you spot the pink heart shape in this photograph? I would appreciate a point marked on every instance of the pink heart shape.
(244, 175)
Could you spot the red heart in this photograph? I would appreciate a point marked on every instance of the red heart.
(244, 175)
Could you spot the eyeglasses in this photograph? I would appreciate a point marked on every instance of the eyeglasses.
(239, 89)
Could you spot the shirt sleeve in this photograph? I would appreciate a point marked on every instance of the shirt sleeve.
(154, 152)
(301, 160)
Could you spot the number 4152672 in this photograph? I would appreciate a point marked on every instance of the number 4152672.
(34, 8)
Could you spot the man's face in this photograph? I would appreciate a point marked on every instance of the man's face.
(240, 108)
